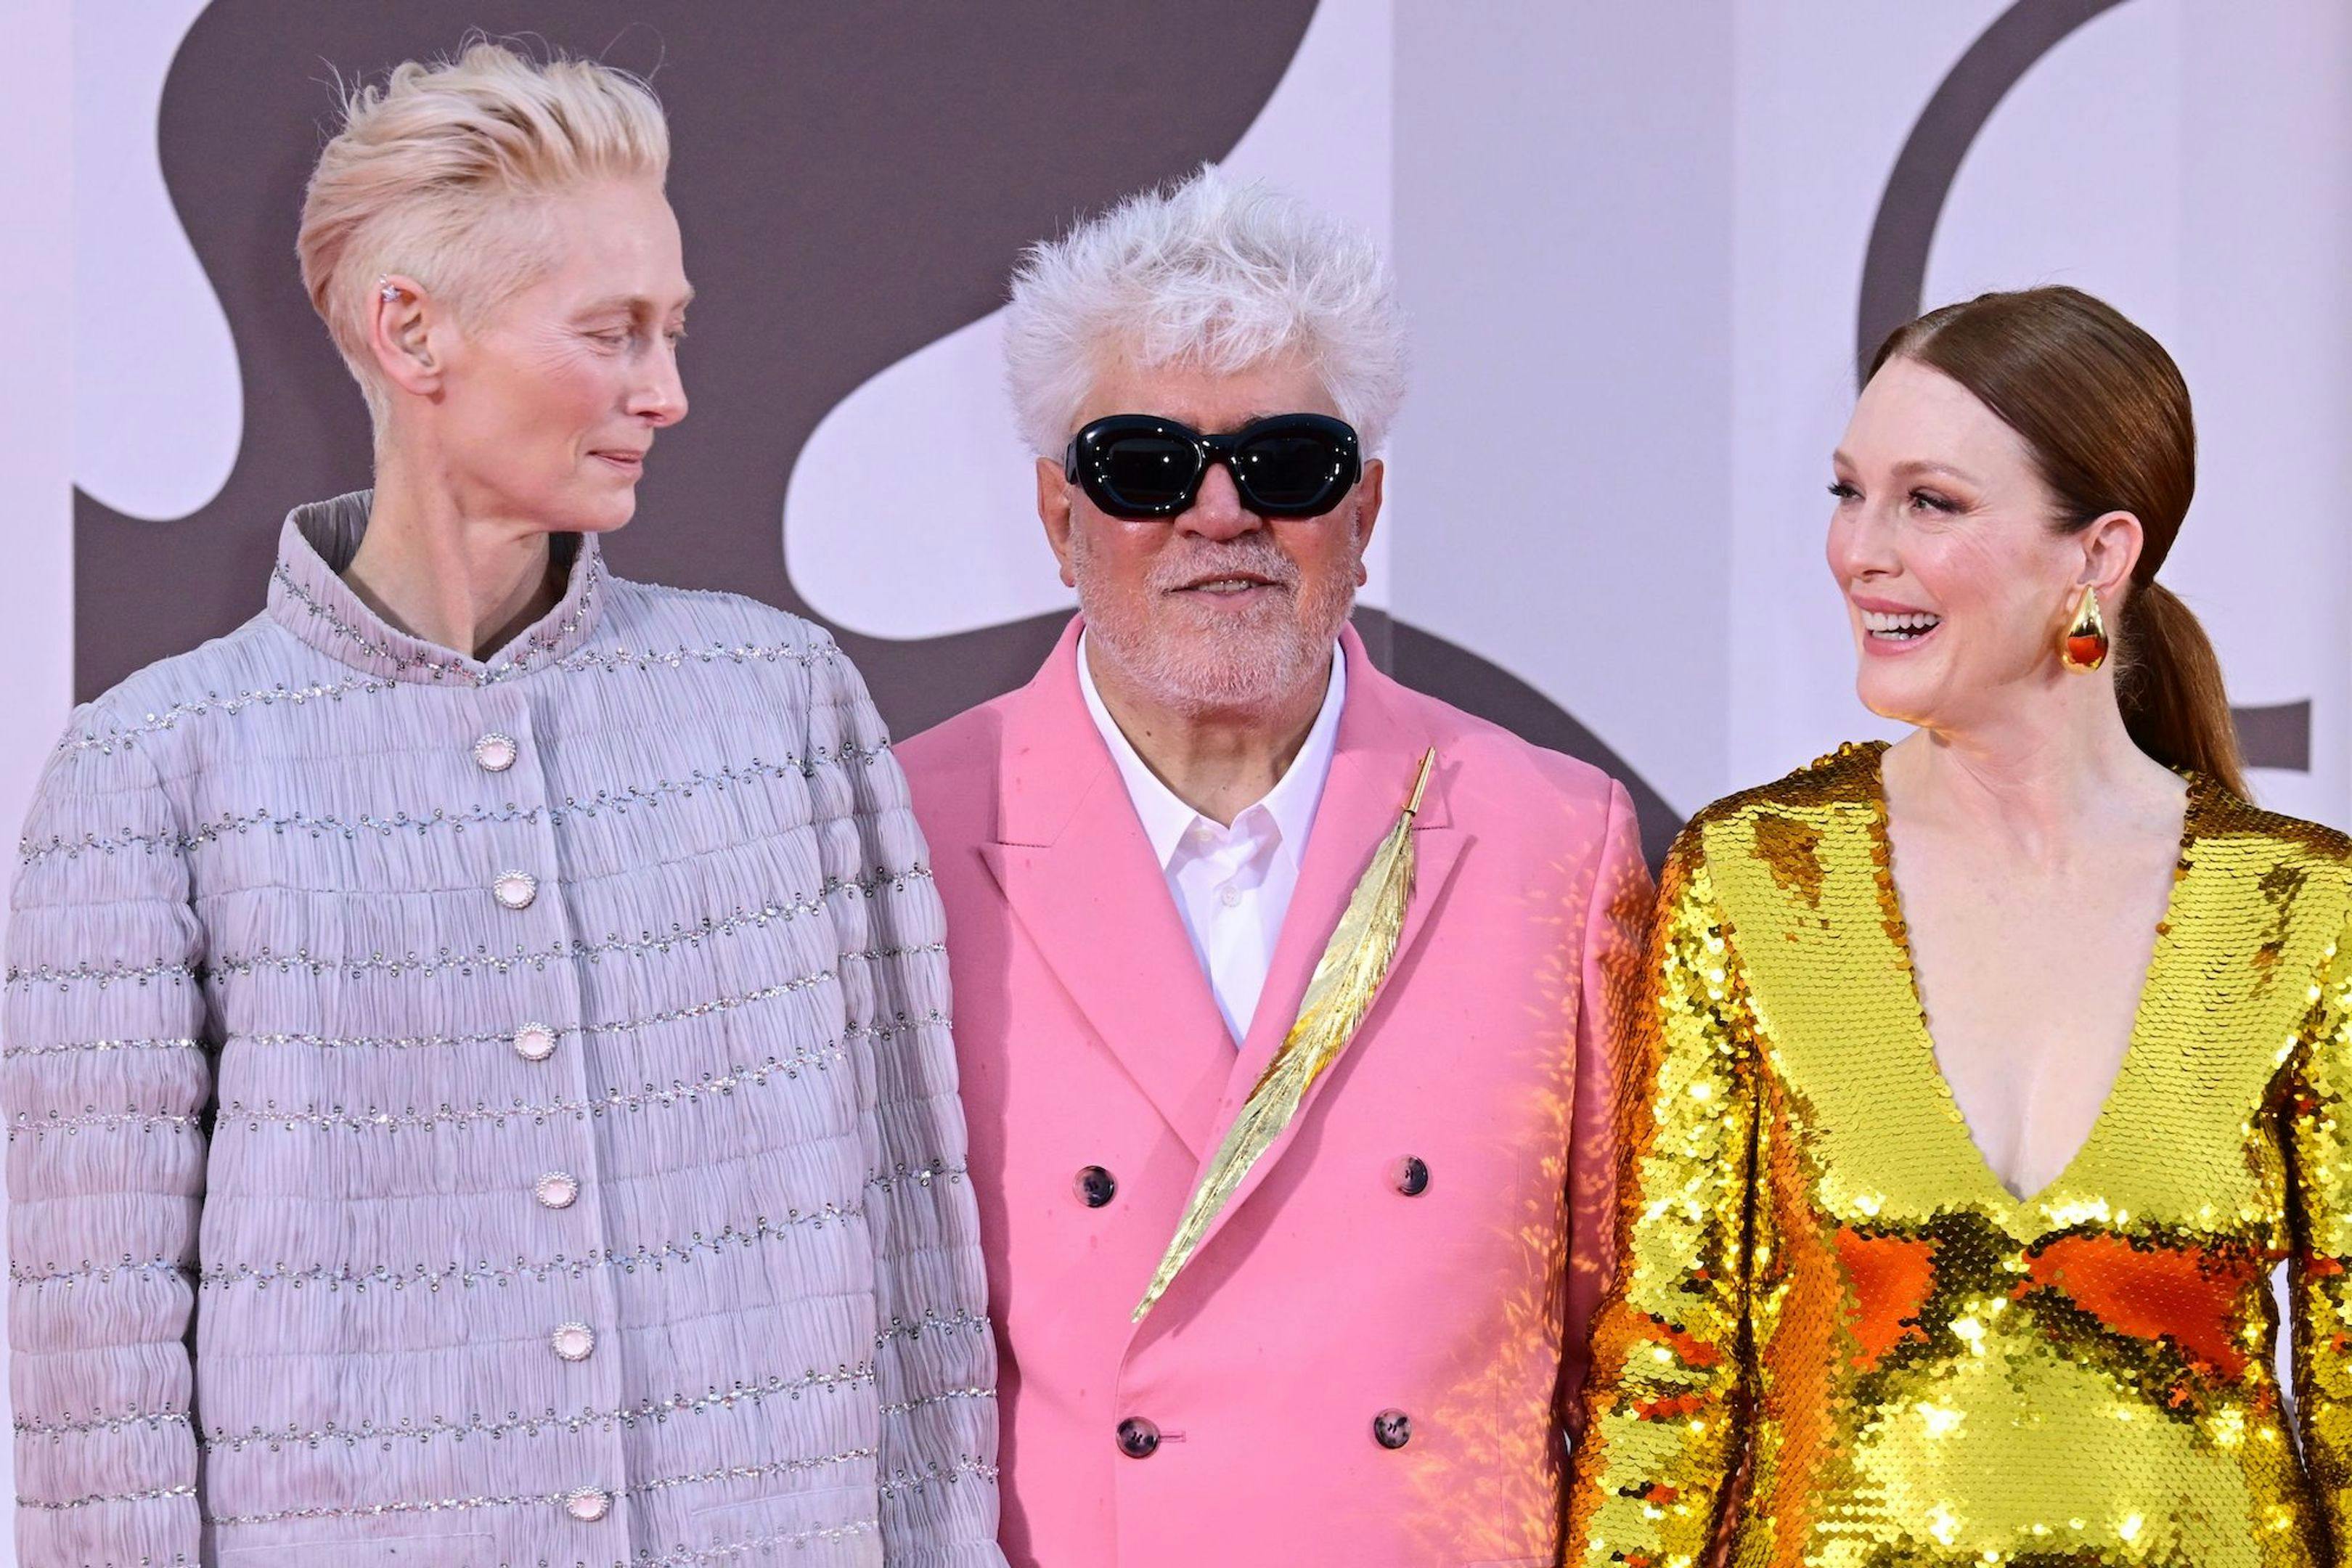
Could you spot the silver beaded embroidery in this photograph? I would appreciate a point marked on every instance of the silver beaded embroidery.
(372, 1120)
(727, 1238)
(539, 1499)
(648, 796)
(604, 660)
(624, 1416)
(411, 966)
(154, 1495)
(716, 1005)
(440, 665)
(67, 1047)
(154, 1420)
(100, 974)
(98, 1273)
(763, 1544)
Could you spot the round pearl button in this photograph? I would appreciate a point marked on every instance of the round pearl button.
(515, 890)
(494, 752)
(534, 1042)
(588, 1504)
(558, 1190)
(573, 1342)
(1228, 896)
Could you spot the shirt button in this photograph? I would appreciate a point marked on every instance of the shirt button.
(494, 752)
(515, 890)
(588, 1504)
(558, 1190)
(1137, 1438)
(573, 1342)
(1391, 1428)
(1410, 1175)
(1096, 1186)
(534, 1042)
(1229, 895)
(1203, 834)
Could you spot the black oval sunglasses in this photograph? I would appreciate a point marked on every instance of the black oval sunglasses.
(1138, 466)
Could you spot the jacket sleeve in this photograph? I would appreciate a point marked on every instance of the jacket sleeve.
(1660, 1450)
(1616, 920)
(2319, 1151)
(104, 1080)
(937, 1360)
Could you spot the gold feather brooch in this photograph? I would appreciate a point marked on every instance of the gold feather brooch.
(1346, 980)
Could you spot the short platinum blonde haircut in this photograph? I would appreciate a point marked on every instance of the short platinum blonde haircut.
(1211, 272)
(435, 174)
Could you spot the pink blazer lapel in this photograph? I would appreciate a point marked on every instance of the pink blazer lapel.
(1372, 771)
(1079, 876)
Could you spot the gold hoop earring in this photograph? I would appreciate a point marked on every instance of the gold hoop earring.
(2084, 646)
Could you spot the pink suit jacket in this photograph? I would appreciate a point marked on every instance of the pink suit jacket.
(1327, 1296)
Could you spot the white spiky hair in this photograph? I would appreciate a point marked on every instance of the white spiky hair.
(1211, 271)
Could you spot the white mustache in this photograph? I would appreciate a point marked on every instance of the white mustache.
(1269, 564)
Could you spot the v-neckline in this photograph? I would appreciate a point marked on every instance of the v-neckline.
(1898, 929)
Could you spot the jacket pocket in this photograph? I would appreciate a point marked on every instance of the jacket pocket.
(471, 1548)
(839, 1527)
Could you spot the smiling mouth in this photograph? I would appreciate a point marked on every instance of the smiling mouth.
(1905, 627)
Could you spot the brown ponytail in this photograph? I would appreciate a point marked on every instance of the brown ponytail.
(2105, 413)
(2170, 687)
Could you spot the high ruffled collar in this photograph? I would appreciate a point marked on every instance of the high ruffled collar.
(309, 598)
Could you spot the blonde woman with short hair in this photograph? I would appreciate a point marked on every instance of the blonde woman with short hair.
(476, 1036)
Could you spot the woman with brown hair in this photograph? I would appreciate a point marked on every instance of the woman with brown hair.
(1984, 1079)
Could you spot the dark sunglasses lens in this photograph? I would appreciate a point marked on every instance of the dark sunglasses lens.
(1147, 471)
(1293, 470)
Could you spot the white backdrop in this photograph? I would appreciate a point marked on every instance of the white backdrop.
(1633, 240)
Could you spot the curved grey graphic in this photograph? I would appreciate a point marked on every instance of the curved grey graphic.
(1895, 267)
(854, 182)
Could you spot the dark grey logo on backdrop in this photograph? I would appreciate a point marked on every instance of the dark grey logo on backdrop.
(854, 182)
(1894, 268)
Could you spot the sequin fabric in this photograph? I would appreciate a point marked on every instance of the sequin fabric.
(1835, 1339)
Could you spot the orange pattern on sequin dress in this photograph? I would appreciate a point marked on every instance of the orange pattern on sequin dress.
(1837, 1338)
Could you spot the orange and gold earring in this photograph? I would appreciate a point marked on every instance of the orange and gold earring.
(2084, 646)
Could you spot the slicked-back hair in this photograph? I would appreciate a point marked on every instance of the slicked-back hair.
(433, 173)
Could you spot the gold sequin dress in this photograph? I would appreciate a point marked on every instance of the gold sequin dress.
(1837, 1338)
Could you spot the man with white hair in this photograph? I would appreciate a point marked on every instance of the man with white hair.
(1282, 989)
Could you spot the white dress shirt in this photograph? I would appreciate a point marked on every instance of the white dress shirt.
(1232, 885)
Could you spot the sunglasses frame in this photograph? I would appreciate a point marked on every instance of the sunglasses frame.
(1086, 463)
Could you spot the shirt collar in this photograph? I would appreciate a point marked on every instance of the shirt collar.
(308, 598)
(1291, 803)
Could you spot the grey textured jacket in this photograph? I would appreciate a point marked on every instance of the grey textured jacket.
(525, 1085)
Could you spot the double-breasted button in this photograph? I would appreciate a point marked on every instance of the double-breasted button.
(494, 752)
(534, 1042)
(573, 1342)
(588, 1504)
(1410, 1175)
(515, 890)
(1137, 1438)
(1096, 1186)
(558, 1190)
(1391, 1428)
